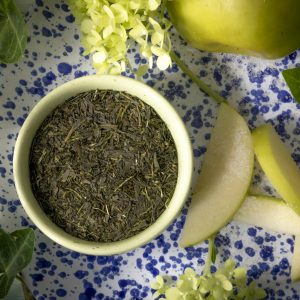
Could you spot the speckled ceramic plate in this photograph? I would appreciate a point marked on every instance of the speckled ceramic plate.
(254, 86)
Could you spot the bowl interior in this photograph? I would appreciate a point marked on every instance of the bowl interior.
(46, 106)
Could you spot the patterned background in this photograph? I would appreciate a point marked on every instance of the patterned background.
(254, 86)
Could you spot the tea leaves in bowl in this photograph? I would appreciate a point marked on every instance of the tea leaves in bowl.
(103, 166)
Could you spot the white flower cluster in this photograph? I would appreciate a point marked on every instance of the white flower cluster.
(228, 283)
(107, 25)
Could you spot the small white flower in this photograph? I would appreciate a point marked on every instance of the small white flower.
(87, 25)
(108, 11)
(154, 4)
(138, 31)
(100, 56)
(120, 13)
(173, 293)
(157, 38)
(106, 26)
(164, 61)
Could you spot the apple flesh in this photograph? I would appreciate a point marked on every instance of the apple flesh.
(269, 213)
(278, 165)
(275, 215)
(265, 28)
(224, 179)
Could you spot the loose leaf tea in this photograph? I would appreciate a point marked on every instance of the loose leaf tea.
(103, 166)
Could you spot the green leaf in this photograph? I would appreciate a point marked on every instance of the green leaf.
(24, 240)
(15, 253)
(13, 32)
(141, 71)
(292, 78)
(261, 293)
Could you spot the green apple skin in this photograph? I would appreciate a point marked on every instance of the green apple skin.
(269, 213)
(264, 28)
(224, 178)
(278, 165)
(295, 271)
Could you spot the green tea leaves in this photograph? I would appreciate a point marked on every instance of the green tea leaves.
(292, 78)
(13, 32)
(15, 253)
(113, 159)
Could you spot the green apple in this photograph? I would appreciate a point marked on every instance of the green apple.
(224, 178)
(278, 165)
(269, 213)
(295, 272)
(267, 28)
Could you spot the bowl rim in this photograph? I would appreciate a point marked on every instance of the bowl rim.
(44, 107)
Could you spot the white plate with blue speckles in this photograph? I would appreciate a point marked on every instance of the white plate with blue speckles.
(254, 86)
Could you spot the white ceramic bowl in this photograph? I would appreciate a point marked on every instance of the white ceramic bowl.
(46, 106)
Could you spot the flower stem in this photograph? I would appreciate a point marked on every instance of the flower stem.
(26, 291)
(163, 8)
(209, 260)
(203, 86)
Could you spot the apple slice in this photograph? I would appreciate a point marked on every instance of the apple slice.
(269, 213)
(295, 272)
(224, 179)
(278, 165)
(273, 214)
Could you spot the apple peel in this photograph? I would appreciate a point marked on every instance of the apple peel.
(278, 165)
(295, 272)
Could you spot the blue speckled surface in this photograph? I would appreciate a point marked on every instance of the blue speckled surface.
(254, 86)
